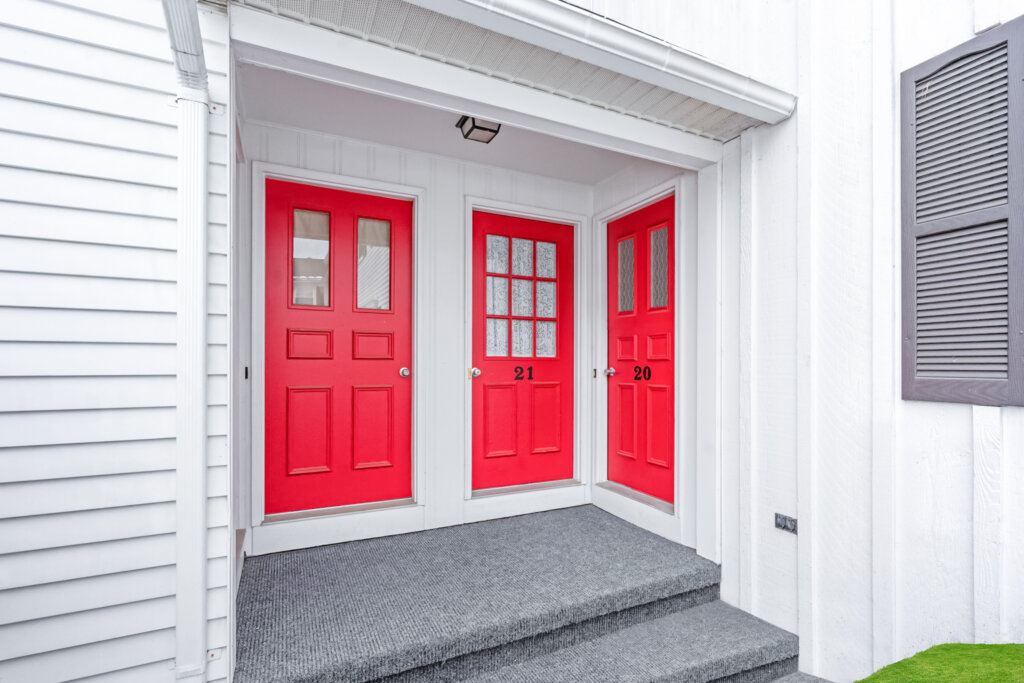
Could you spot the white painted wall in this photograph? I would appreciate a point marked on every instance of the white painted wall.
(87, 334)
(912, 526)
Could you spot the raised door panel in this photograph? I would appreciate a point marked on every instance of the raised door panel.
(500, 420)
(309, 419)
(373, 420)
(546, 417)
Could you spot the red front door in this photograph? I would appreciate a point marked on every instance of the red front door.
(338, 335)
(523, 348)
(641, 319)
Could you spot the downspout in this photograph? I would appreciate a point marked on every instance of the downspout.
(190, 420)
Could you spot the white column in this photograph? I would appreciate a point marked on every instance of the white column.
(190, 600)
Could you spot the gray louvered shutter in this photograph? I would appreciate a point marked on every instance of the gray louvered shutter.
(963, 222)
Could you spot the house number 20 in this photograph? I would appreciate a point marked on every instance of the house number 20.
(641, 372)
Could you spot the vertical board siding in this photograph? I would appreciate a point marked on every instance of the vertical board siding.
(87, 332)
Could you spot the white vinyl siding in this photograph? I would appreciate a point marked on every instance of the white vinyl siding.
(87, 332)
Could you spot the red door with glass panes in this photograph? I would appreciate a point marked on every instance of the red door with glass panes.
(641, 367)
(522, 351)
(338, 348)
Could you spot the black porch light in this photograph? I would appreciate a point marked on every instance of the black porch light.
(477, 129)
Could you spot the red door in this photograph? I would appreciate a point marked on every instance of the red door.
(338, 348)
(523, 348)
(641, 319)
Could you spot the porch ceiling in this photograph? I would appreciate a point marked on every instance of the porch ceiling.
(415, 29)
(276, 97)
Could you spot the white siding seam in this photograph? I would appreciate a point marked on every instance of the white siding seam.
(747, 378)
(805, 351)
(885, 334)
(988, 522)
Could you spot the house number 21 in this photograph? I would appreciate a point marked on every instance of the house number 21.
(520, 375)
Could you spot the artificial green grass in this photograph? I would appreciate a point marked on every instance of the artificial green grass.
(958, 662)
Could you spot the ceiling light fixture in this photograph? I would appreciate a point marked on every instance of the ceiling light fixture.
(477, 129)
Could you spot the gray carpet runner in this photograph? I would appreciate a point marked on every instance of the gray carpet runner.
(801, 678)
(553, 596)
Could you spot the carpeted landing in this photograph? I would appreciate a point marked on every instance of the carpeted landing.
(566, 595)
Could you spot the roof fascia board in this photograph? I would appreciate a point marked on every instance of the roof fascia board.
(275, 42)
(568, 30)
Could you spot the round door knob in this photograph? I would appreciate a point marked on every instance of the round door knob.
(609, 372)
(404, 372)
(474, 372)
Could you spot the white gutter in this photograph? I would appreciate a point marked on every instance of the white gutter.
(574, 32)
(190, 418)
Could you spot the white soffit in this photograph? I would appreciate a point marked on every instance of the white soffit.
(571, 53)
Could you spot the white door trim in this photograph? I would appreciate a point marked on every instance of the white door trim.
(269, 537)
(679, 524)
(521, 502)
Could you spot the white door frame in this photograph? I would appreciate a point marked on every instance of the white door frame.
(350, 522)
(677, 522)
(521, 500)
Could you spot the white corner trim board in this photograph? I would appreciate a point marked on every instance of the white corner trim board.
(275, 42)
(583, 35)
(191, 308)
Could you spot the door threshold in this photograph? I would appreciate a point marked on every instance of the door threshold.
(523, 488)
(338, 510)
(656, 503)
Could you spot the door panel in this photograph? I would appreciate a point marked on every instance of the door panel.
(338, 329)
(523, 346)
(641, 320)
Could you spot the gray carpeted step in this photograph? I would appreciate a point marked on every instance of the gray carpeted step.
(710, 642)
(801, 678)
(529, 585)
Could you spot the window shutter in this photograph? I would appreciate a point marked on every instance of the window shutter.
(963, 222)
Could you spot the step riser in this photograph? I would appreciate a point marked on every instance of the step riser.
(764, 674)
(476, 663)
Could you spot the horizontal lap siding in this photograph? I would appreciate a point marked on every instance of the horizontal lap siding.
(88, 145)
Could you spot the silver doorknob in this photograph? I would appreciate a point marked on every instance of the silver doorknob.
(474, 372)
(404, 372)
(609, 372)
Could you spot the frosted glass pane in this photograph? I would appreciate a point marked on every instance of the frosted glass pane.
(626, 275)
(497, 254)
(545, 339)
(497, 295)
(522, 297)
(311, 251)
(522, 337)
(545, 259)
(522, 257)
(545, 300)
(497, 337)
(659, 268)
(373, 253)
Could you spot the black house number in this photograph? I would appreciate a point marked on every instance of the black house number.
(641, 372)
(519, 372)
